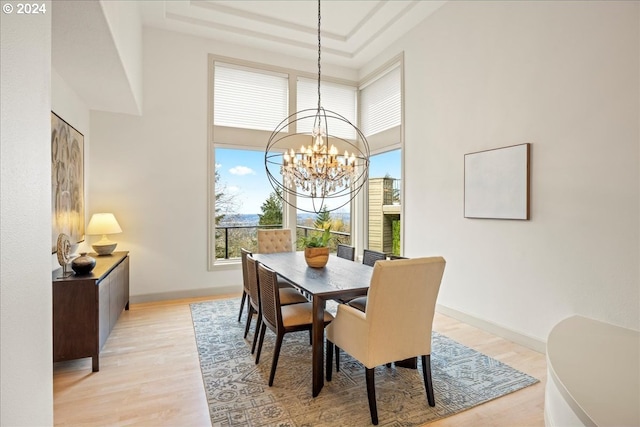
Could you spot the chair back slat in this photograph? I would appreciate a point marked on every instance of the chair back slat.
(252, 278)
(270, 296)
(370, 257)
(346, 252)
(245, 272)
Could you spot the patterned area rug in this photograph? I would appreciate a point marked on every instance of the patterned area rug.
(238, 393)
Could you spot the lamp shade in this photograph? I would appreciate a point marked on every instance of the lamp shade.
(103, 223)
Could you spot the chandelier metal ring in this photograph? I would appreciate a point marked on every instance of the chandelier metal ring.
(320, 175)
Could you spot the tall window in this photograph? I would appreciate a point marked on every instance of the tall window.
(244, 201)
(381, 102)
(247, 103)
(381, 121)
(385, 202)
(340, 99)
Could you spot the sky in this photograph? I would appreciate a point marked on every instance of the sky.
(243, 174)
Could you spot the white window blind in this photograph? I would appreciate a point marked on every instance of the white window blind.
(248, 98)
(381, 103)
(338, 98)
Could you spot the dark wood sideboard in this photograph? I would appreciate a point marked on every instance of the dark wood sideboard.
(86, 307)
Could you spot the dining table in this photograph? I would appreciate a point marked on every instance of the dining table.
(339, 279)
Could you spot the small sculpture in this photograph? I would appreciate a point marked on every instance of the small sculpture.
(63, 251)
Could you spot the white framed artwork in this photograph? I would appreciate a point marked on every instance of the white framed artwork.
(496, 183)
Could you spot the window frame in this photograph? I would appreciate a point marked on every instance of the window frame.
(378, 144)
(228, 137)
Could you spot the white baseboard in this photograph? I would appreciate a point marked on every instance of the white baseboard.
(188, 293)
(506, 333)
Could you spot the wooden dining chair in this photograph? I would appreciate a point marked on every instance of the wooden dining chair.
(397, 323)
(370, 257)
(245, 282)
(346, 252)
(281, 319)
(286, 294)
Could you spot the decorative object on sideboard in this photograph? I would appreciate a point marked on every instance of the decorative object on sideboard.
(332, 164)
(83, 264)
(67, 182)
(63, 251)
(103, 224)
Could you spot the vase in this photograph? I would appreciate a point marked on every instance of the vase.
(83, 264)
(316, 257)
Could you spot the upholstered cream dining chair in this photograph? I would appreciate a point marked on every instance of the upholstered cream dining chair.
(275, 240)
(396, 324)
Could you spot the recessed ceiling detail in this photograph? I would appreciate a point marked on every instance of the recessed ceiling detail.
(353, 32)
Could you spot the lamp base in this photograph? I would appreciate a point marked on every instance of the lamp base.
(104, 249)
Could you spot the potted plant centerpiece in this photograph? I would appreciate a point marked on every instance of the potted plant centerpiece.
(316, 249)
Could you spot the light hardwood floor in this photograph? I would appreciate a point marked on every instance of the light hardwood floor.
(150, 375)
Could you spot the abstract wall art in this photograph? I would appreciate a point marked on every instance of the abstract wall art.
(67, 180)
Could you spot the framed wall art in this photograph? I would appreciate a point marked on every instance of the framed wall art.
(67, 180)
(496, 183)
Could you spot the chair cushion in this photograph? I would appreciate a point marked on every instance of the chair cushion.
(291, 296)
(360, 303)
(301, 314)
(284, 283)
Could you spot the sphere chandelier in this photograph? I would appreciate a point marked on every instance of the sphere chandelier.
(327, 170)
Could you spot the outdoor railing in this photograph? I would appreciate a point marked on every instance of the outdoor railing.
(230, 238)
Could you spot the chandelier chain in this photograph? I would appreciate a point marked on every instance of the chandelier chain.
(318, 172)
(319, 51)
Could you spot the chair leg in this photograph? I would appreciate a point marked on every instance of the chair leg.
(260, 341)
(244, 296)
(276, 354)
(255, 334)
(337, 359)
(329, 359)
(428, 383)
(249, 316)
(371, 394)
(310, 337)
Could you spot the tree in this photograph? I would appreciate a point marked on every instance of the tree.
(271, 209)
(225, 202)
(323, 218)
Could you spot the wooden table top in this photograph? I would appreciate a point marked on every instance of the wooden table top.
(340, 277)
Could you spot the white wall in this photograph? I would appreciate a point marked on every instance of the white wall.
(151, 171)
(563, 76)
(125, 24)
(26, 376)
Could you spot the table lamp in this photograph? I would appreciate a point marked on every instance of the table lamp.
(103, 223)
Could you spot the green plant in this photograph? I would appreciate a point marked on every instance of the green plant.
(320, 241)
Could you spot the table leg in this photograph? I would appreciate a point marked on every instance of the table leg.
(317, 347)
